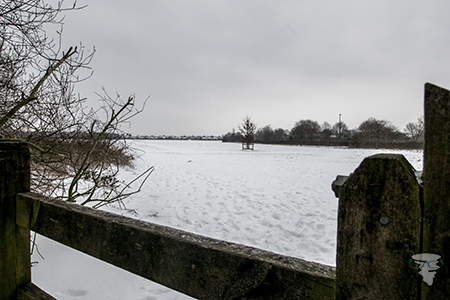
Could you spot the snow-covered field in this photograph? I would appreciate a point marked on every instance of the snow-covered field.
(277, 198)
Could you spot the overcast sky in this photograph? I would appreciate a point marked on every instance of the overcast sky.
(208, 64)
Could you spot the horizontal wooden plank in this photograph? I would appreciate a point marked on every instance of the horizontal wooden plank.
(198, 266)
(31, 292)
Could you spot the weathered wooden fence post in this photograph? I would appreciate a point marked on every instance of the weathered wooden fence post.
(436, 186)
(14, 240)
(378, 230)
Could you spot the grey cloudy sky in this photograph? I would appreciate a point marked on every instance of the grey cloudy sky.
(208, 64)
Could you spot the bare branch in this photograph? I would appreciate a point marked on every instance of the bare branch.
(76, 152)
(36, 88)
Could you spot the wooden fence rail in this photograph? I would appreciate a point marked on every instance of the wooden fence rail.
(386, 216)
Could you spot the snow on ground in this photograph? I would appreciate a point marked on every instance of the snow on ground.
(276, 198)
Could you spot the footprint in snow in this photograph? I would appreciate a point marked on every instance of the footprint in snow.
(276, 216)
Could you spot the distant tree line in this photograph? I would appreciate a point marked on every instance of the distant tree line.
(175, 137)
(372, 133)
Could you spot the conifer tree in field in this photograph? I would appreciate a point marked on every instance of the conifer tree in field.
(247, 130)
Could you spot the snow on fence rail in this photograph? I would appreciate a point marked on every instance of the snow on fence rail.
(385, 217)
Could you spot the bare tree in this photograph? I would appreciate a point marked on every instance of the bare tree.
(232, 136)
(341, 131)
(414, 130)
(37, 77)
(280, 135)
(247, 130)
(377, 131)
(326, 132)
(75, 153)
(305, 130)
(264, 134)
(33, 67)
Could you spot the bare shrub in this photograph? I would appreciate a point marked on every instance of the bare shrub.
(76, 152)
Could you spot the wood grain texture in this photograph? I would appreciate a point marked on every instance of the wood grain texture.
(436, 185)
(378, 230)
(15, 242)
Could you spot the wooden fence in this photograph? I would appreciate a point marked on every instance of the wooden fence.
(386, 215)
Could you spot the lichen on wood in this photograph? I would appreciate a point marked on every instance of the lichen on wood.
(378, 230)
